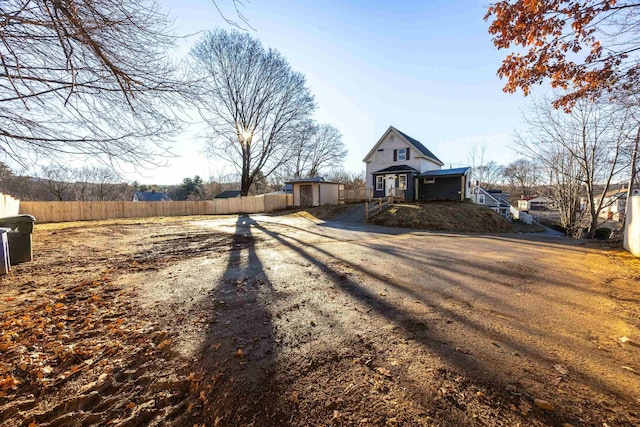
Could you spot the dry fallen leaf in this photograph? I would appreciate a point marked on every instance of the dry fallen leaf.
(164, 344)
(8, 382)
(543, 404)
(239, 353)
(384, 372)
(131, 405)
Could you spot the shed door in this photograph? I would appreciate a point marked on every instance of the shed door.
(306, 195)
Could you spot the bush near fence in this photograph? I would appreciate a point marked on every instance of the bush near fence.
(91, 211)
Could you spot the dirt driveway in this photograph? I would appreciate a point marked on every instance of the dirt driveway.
(287, 320)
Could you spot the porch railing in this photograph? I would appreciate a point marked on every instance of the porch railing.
(375, 207)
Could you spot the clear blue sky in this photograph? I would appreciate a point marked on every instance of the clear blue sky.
(427, 68)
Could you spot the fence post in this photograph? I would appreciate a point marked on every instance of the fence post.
(366, 210)
(380, 205)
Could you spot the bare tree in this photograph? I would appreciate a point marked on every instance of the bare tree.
(523, 176)
(252, 101)
(59, 180)
(85, 77)
(318, 147)
(584, 146)
(97, 183)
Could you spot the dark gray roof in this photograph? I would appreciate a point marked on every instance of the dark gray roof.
(446, 172)
(151, 196)
(398, 168)
(229, 194)
(424, 150)
(313, 179)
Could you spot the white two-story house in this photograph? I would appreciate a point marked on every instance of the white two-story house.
(400, 165)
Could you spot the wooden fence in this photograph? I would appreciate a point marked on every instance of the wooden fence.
(91, 211)
(522, 216)
(377, 206)
(356, 195)
(8, 206)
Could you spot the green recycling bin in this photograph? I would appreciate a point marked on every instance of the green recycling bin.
(19, 237)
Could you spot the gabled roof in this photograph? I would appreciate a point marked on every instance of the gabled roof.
(500, 202)
(424, 150)
(398, 168)
(446, 172)
(410, 141)
(229, 194)
(151, 196)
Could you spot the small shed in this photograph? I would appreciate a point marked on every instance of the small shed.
(443, 184)
(308, 192)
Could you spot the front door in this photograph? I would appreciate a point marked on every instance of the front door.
(306, 195)
(391, 184)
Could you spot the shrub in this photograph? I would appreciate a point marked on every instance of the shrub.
(602, 233)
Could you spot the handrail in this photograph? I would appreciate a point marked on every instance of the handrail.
(380, 205)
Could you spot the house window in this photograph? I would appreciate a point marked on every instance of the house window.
(402, 182)
(379, 183)
(481, 199)
(402, 154)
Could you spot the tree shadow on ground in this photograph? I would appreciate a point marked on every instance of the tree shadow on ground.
(432, 339)
(238, 353)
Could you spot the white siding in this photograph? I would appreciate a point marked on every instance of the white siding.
(384, 159)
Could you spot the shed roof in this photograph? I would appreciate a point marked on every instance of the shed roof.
(318, 179)
(446, 172)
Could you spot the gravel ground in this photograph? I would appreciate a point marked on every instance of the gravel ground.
(286, 320)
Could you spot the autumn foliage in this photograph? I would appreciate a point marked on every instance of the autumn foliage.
(586, 48)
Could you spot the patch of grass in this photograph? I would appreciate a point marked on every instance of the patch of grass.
(319, 212)
(521, 227)
(443, 216)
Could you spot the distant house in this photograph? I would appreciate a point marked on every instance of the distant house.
(229, 194)
(401, 166)
(315, 191)
(151, 196)
(497, 200)
(614, 204)
(534, 203)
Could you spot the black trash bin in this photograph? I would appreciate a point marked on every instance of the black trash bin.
(19, 237)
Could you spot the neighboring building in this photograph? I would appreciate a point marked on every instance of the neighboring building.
(534, 203)
(315, 191)
(151, 196)
(497, 200)
(614, 204)
(229, 194)
(286, 189)
(401, 166)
